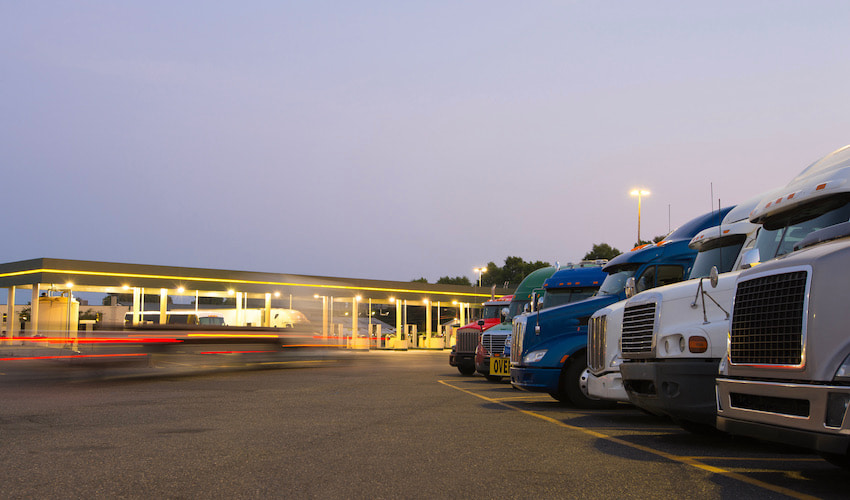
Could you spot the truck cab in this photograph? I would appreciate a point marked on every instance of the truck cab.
(492, 342)
(573, 283)
(786, 373)
(672, 338)
(468, 336)
(549, 347)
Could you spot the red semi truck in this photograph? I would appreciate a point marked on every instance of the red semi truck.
(468, 336)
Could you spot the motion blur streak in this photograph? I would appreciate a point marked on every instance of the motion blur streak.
(102, 340)
(233, 336)
(234, 352)
(75, 356)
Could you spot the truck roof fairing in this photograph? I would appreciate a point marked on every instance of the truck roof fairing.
(685, 233)
(580, 276)
(822, 179)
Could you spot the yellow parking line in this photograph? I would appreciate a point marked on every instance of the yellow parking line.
(669, 456)
(782, 459)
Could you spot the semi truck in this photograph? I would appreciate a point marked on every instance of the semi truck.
(786, 373)
(468, 336)
(549, 347)
(492, 342)
(672, 338)
(571, 283)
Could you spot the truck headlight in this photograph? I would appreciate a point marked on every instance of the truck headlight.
(843, 372)
(534, 356)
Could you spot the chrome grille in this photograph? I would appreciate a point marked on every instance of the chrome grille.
(767, 320)
(596, 342)
(516, 341)
(638, 328)
(466, 340)
(494, 343)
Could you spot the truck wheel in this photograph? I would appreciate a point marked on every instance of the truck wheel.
(466, 368)
(837, 460)
(570, 386)
(699, 428)
(559, 397)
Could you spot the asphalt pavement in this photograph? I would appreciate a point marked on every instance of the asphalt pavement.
(360, 425)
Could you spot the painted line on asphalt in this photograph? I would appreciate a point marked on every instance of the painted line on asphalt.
(669, 456)
(765, 459)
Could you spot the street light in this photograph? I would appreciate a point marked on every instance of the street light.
(480, 271)
(639, 193)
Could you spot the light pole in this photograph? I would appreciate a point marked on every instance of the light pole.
(480, 271)
(639, 193)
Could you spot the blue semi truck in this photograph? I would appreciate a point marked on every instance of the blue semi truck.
(549, 347)
(571, 283)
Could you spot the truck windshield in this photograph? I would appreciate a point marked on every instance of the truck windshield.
(721, 252)
(516, 307)
(492, 312)
(778, 236)
(616, 280)
(558, 297)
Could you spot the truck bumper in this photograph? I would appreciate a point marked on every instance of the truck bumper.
(535, 379)
(457, 358)
(810, 416)
(607, 386)
(680, 389)
(484, 366)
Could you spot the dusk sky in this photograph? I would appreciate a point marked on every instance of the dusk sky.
(398, 140)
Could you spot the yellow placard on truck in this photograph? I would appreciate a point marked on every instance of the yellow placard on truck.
(500, 366)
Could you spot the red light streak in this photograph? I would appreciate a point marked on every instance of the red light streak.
(94, 340)
(76, 356)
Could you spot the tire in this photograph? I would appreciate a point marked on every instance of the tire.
(572, 377)
(558, 397)
(699, 428)
(837, 460)
(466, 368)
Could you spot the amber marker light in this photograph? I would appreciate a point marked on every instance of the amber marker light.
(697, 344)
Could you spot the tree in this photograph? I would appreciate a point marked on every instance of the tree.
(457, 280)
(514, 270)
(419, 280)
(602, 251)
(654, 240)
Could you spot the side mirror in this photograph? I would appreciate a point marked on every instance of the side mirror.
(506, 312)
(630, 287)
(751, 258)
(712, 277)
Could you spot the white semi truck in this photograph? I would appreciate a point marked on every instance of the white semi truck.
(786, 373)
(673, 337)
(629, 330)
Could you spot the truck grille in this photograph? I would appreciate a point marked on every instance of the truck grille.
(767, 320)
(516, 341)
(494, 343)
(466, 340)
(596, 343)
(638, 328)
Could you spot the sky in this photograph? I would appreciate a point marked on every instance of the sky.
(397, 140)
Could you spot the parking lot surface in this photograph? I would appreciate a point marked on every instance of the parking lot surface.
(371, 425)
